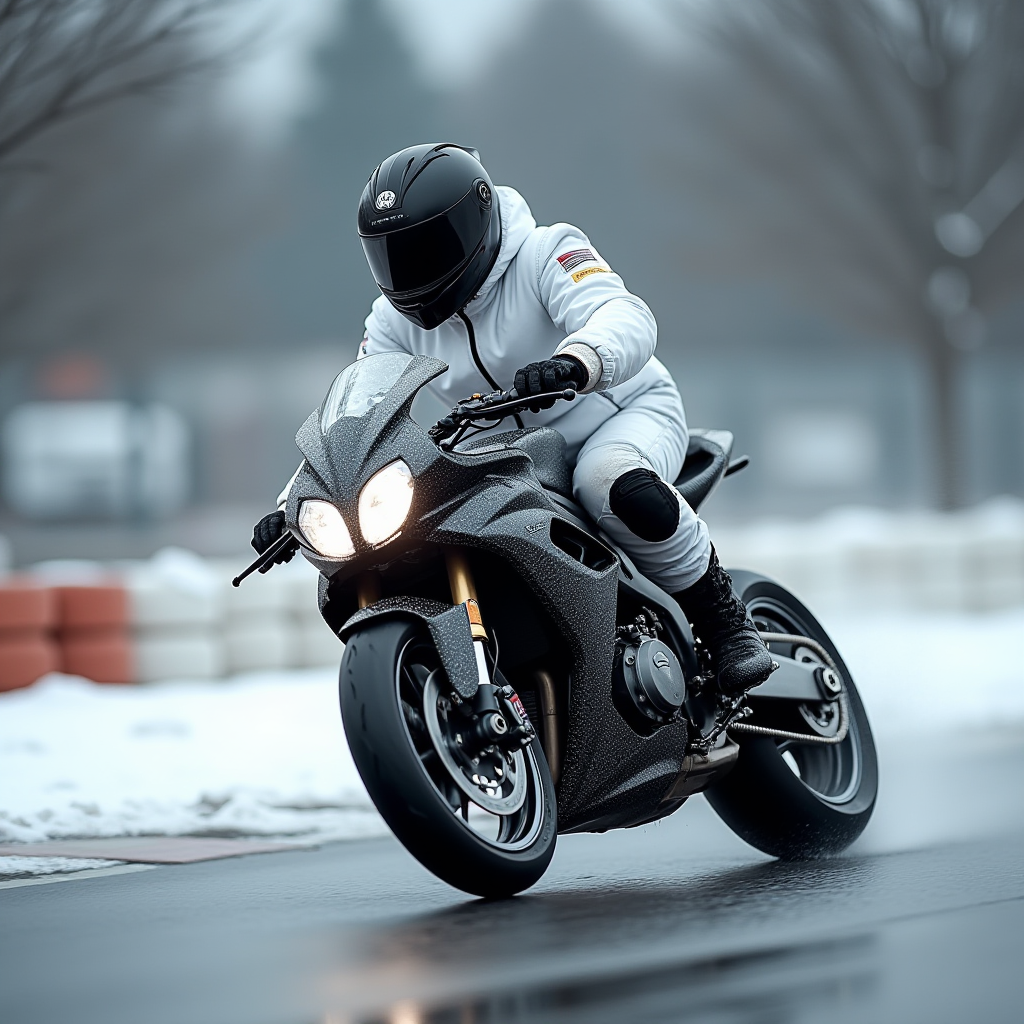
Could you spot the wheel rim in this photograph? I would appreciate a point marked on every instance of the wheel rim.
(494, 782)
(506, 814)
(832, 772)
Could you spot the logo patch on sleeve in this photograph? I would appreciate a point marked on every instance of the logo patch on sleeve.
(578, 258)
(570, 260)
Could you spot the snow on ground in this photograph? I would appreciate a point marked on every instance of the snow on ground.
(24, 867)
(264, 754)
(932, 671)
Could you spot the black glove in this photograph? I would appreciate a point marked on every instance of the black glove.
(268, 530)
(549, 375)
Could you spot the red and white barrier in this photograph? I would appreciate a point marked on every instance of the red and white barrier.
(93, 632)
(28, 649)
(176, 616)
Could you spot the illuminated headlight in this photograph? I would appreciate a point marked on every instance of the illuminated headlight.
(321, 524)
(384, 502)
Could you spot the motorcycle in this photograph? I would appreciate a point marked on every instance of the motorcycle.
(508, 673)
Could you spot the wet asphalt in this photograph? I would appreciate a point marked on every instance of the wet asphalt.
(923, 920)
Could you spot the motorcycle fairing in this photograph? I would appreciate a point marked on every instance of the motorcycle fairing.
(546, 448)
(493, 502)
(449, 629)
(344, 457)
(640, 588)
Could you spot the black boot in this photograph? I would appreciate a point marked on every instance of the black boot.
(719, 618)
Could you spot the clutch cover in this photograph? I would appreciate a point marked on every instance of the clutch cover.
(649, 684)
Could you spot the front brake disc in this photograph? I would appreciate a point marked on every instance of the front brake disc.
(499, 796)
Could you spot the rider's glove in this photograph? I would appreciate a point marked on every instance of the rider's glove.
(268, 530)
(549, 375)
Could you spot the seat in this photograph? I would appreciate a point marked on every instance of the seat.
(544, 445)
(707, 459)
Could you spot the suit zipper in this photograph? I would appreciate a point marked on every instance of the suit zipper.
(474, 352)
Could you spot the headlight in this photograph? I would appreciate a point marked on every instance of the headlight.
(321, 524)
(384, 502)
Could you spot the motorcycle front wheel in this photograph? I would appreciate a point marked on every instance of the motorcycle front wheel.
(486, 827)
(798, 800)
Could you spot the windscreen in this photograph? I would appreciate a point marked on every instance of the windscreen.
(361, 386)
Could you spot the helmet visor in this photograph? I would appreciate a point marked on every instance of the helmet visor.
(410, 262)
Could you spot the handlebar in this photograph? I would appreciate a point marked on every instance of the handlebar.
(496, 406)
(265, 562)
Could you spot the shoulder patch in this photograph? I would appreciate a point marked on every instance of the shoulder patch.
(580, 274)
(574, 263)
(570, 260)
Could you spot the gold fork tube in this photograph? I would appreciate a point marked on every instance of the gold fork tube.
(549, 722)
(368, 588)
(460, 579)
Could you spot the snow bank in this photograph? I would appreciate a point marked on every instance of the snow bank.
(863, 558)
(261, 754)
(926, 673)
(264, 754)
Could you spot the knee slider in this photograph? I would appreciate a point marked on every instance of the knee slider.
(645, 504)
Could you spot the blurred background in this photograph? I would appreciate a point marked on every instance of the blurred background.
(822, 203)
(821, 200)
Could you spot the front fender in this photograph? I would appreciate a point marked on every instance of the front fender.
(449, 629)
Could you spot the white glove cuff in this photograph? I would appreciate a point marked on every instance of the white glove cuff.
(591, 362)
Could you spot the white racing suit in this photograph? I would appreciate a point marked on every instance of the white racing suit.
(548, 293)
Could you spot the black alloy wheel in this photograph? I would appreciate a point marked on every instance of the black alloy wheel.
(480, 817)
(790, 799)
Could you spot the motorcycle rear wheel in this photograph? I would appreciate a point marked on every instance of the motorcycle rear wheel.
(797, 801)
(388, 670)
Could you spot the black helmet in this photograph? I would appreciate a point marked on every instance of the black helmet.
(430, 229)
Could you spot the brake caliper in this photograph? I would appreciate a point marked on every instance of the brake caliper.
(521, 731)
(498, 720)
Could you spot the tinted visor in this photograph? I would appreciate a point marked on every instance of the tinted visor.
(413, 261)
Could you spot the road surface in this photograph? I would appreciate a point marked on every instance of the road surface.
(922, 921)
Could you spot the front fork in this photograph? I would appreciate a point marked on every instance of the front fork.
(460, 579)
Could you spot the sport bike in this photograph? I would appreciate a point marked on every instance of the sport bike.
(508, 674)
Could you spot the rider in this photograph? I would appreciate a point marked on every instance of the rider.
(469, 277)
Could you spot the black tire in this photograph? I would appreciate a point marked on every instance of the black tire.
(763, 799)
(406, 780)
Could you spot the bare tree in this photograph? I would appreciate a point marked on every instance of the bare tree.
(60, 58)
(125, 226)
(131, 239)
(873, 152)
